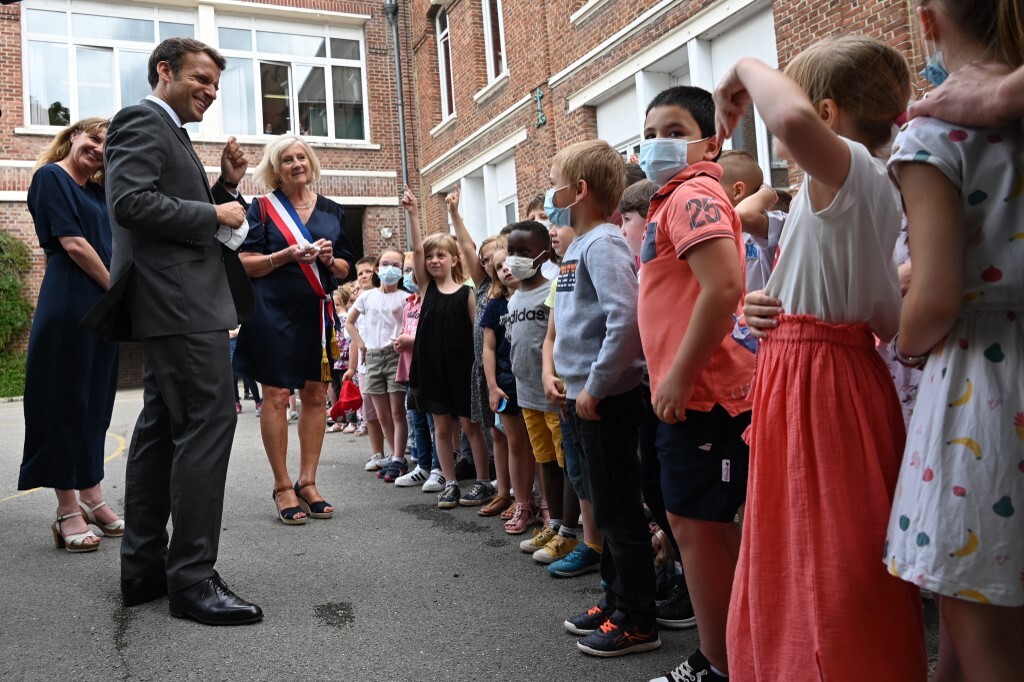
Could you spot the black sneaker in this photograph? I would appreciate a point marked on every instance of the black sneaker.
(449, 497)
(398, 467)
(481, 493)
(694, 669)
(676, 612)
(617, 637)
(589, 620)
(465, 470)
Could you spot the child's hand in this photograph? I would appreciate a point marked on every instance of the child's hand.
(731, 100)
(451, 200)
(554, 390)
(349, 373)
(670, 401)
(586, 406)
(760, 312)
(403, 341)
(495, 396)
(409, 201)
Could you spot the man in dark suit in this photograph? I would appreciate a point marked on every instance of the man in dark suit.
(178, 290)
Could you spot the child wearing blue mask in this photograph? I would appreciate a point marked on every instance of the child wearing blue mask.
(382, 309)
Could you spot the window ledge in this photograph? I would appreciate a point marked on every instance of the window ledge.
(588, 10)
(315, 142)
(494, 86)
(443, 126)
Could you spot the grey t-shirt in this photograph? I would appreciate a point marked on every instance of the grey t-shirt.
(526, 326)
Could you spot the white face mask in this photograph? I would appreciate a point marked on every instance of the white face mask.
(522, 267)
(663, 158)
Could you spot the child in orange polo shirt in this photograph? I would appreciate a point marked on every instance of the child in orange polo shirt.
(691, 285)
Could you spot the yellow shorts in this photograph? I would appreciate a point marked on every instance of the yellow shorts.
(545, 436)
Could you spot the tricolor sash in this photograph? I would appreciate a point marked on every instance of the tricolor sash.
(280, 211)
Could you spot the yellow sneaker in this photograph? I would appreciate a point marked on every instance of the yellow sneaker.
(539, 539)
(556, 548)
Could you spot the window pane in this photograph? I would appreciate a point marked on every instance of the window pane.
(134, 86)
(287, 43)
(510, 213)
(442, 22)
(170, 29)
(446, 71)
(497, 57)
(95, 82)
(235, 38)
(41, 21)
(114, 28)
(48, 93)
(344, 49)
(276, 97)
(347, 86)
(312, 100)
(238, 98)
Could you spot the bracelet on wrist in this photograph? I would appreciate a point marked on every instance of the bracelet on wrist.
(331, 264)
(227, 183)
(272, 261)
(911, 361)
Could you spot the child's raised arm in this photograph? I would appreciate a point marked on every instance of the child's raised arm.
(419, 259)
(467, 247)
(789, 115)
(751, 211)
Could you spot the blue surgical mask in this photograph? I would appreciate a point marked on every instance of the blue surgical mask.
(410, 283)
(663, 158)
(390, 274)
(558, 216)
(934, 70)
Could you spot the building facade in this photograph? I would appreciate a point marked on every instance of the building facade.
(320, 68)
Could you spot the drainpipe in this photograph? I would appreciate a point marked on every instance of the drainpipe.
(391, 12)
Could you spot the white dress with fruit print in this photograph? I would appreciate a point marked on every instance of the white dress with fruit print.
(957, 523)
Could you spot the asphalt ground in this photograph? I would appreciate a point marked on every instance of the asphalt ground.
(391, 588)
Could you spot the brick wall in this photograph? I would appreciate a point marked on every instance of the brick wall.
(380, 97)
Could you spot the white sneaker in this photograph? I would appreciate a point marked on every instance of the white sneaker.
(435, 483)
(378, 461)
(414, 477)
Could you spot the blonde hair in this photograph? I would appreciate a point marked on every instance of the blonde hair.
(498, 288)
(446, 244)
(867, 79)
(739, 166)
(493, 239)
(270, 164)
(600, 166)
(60, 145)
(1011, 31)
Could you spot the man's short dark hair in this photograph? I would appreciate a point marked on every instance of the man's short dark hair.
(695, 100)
(173, 50)
(533, 228)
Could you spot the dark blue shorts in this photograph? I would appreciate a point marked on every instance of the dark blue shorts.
(512, 404)
(571, 455)
(704, 464)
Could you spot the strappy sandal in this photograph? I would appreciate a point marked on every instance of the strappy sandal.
(522, 517)
(114, 529)
(318, 509)
(78, 543)
(495, 506)
(290, 516)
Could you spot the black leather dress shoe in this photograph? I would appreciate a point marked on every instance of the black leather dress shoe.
(135, 591)
(211, 602)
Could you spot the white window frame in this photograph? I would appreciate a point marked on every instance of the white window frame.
(318, 30)
(155, 13)
(446, 79)
(492, 72)
(503, 205)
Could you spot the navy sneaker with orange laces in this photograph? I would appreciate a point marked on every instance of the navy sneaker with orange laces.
(618, 637)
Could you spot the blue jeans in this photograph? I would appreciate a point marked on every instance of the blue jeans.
(422, 428)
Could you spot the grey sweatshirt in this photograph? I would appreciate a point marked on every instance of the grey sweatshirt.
(597, 346)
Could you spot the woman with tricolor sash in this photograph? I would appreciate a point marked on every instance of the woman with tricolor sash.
(295, 253)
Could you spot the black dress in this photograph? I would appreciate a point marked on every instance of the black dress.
(279, 344)
(71, 372)
(442, 356)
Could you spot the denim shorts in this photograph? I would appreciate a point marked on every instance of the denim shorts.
(570, 452)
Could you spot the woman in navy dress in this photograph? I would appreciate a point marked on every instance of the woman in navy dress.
(71, 373)
(285, 342)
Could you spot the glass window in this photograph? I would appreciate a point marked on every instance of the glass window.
(312, 100)
(345, 49)
(348, 103)
(238, 97)
(444, 59)
(134, 73)
(49, 94)
(510, 212)
(113, 28)
(287, 43)
(234, 38)
(276, 88)
(170, 29)
(42, 21)
(95, 81)
(494, 35)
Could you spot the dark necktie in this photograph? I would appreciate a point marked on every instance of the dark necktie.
(185, 133)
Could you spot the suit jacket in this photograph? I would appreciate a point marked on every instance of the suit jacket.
(169, 275)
